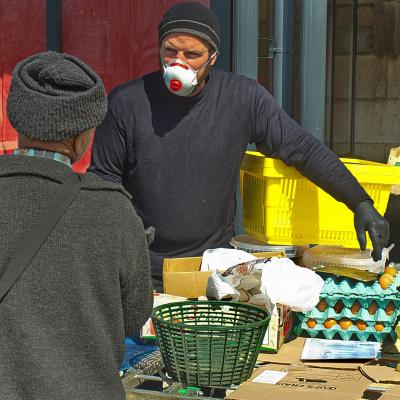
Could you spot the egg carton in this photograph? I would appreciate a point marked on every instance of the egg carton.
(371, 308)
(337, 285)
(352, 333)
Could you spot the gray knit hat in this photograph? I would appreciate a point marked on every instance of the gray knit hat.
(194, 18)
(54, 96)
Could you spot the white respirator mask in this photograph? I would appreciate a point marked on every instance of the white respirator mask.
(179, 77)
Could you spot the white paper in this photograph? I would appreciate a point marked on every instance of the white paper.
(271, 377)
(324, 349)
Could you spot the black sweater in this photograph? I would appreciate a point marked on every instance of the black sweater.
(180, 157)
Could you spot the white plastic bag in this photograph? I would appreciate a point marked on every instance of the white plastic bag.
(283, 282)
(238, 283)
(218, 288)
(221, 259)
(267, 281)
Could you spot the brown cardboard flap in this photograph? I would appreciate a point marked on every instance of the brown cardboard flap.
(257, 392)
(289, 353)
(382, 371)
(182, 276)
(307, 383)
(186, 284)
(189, 264)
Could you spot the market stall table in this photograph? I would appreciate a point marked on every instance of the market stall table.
(310, 380)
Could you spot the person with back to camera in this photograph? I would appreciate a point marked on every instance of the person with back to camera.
(175, 138)
(87, 285)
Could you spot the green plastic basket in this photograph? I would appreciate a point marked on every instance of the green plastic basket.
(209, 343)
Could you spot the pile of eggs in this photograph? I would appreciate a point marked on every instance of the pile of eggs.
(387, 277)
(345, 323)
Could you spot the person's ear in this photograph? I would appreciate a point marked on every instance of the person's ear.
(81, 143)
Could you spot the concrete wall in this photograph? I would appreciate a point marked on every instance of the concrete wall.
(377, 84)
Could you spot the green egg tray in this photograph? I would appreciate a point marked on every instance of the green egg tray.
(349, 291)
(336, 332)
(336, 285)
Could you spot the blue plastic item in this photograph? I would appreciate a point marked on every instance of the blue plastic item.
(136, 351)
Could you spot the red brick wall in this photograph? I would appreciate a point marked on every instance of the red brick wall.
(116, 38)
(22, 32)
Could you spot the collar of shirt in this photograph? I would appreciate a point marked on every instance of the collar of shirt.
(43, 153)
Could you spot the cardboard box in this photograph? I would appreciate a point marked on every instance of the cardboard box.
(148, 330)
(182, 276)
(306, 383)
(353, 379)
(279, 328)
(383, 381)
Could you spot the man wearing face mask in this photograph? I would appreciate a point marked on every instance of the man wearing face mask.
(175, 138)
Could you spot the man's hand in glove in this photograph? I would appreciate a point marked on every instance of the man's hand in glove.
(366, 218)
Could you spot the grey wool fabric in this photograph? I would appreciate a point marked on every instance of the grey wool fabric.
(54, 96)
(63, 323)
(193, 18)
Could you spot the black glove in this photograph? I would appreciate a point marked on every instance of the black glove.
(366, 218)
(150, 232)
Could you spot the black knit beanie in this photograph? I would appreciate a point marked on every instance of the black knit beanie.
(54, 96)
(194, 18)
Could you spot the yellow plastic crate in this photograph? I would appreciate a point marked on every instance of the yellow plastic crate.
(281, 206)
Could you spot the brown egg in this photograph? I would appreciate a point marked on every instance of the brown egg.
(321, 305)
(329, 322)
(311, 323)
(391, 270)
(379, 326)
(361, 325)
(373, 307)
(355, 308)
(385, 280)
(345, 323)
(390, 308)
(338, 307)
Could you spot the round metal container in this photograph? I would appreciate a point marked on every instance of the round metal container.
(252, 245)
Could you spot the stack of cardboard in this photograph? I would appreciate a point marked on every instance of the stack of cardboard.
(292, 379)
(182, 277)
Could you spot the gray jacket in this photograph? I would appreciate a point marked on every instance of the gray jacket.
(63, 323)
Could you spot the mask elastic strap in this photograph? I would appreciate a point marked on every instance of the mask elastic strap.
(196, 71)
(211, 57)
